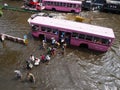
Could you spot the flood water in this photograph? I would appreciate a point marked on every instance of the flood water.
(79, 69)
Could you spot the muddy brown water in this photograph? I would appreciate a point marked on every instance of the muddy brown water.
(79, 69)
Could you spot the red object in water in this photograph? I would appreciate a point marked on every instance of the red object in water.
(42, 57)
(33, 3)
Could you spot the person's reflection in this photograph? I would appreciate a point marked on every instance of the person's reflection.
(4, 44)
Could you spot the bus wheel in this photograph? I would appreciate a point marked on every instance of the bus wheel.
(53, 9)
(83, 46)
(72, 11)
(41, 36)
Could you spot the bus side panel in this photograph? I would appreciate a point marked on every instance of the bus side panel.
(35, 34)
(49, 7)
(49, 36)
(98, 47)
(92, 46)
(75, 42)
(77, 10)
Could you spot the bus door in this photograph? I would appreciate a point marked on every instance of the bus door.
(67, 38)
(61, 36)
(64, 36)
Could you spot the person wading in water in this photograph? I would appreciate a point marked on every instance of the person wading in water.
(30, 77)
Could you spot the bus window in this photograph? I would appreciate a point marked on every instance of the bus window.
(90, 38)
(75, 35)
(64, 4)
(73, 6)
(77, 6)
(81, 36)
(60, 3)
(48, 3)
(43, 28)
(55, 31)
(35, 27)
(51, 3)
(97, 40)
(106, 41)
(57, 3)
(68, 5)
(49, 30)
(54, 3)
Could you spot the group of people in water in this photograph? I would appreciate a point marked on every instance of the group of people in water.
(51, 51)
(35, 61)
(29, 76)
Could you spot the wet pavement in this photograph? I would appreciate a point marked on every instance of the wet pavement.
(79, 69)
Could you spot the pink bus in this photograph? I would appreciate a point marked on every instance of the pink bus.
(63, 5)
(75, 33)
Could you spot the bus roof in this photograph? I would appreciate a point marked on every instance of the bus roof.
(72, 25)
(65, 1)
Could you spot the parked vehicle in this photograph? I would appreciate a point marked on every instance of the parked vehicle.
(93, 4)
(112, 6)
(102, 5)
(33, 5)
(63, 5)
